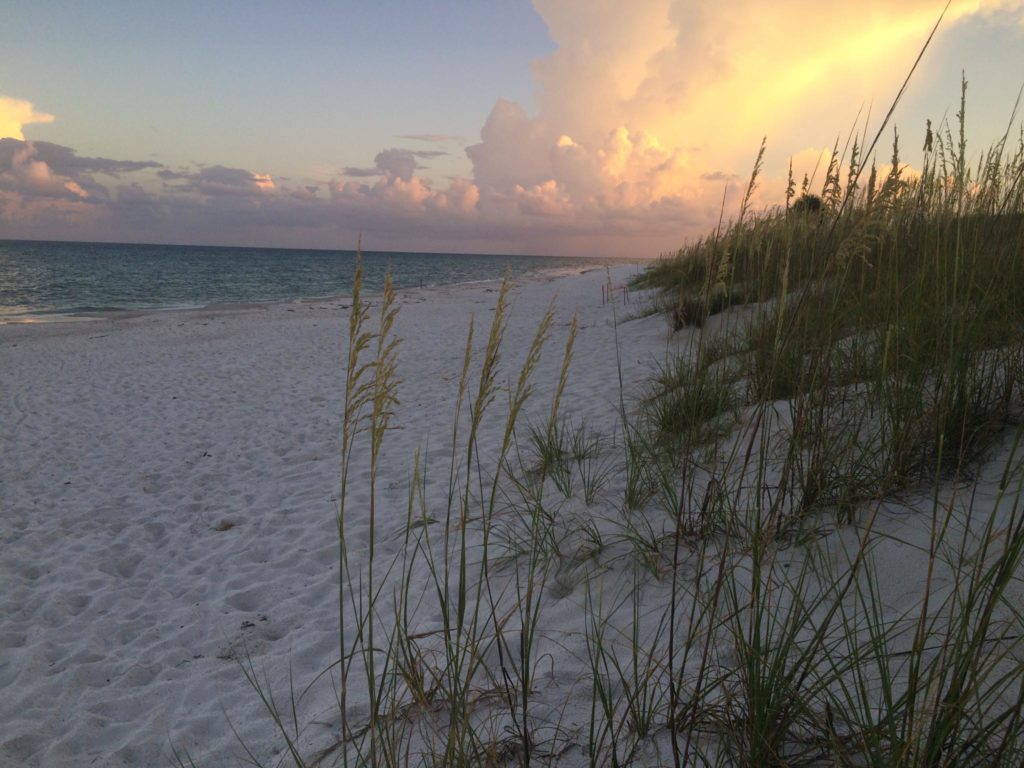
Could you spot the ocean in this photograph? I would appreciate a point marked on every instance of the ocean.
(57, 278)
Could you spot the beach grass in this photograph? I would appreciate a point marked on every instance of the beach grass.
(849, 395)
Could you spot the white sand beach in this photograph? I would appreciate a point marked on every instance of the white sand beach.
(168, 499)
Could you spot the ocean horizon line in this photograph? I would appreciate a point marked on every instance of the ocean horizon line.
(348, 251)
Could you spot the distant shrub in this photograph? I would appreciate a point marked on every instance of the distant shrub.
(808, 203)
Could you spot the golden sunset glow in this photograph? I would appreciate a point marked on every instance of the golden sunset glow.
(17, 113)
(263, 181)
(671, 101)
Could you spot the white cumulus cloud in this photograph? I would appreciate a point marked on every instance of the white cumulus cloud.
(15, 114)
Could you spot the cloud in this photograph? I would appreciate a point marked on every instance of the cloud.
(399, 163)
(39, 168)
(25, 171)
(722, 176)
(64, 160)
(433, 138)
(168, 175)
(15, 114)
(462, 196)
(48, 191)
(666, 101)
(513, 150)
(395, 191)
(361, 173)
(648, 113)
(34, 194)
(218, 181)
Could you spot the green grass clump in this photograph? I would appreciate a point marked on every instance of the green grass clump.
(688, 404)
(888, 308)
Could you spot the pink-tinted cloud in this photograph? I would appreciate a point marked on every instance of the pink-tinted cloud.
(62, 162)
(49, 170)
(461, 196)
(218, 181)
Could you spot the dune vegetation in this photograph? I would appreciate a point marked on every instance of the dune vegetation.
(852, 348)
(800, 542)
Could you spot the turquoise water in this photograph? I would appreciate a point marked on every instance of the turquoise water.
(40, 278)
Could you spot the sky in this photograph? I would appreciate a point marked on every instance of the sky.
(561, 127)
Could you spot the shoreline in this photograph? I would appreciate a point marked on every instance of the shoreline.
(80, 315)
(122, 315)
